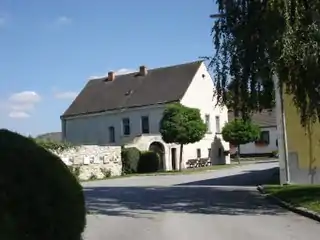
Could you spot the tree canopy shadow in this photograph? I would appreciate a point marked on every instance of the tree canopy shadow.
(244, 178)
(143, 202)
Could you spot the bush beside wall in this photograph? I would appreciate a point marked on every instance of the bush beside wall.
(130, 159)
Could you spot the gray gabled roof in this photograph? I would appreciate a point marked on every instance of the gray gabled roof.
(159, 86)
(265, 118)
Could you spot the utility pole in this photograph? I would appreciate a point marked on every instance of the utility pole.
(281, 122)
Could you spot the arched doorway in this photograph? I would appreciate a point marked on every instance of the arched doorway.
(158, 147)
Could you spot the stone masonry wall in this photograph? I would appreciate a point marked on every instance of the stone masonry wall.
(92, 161)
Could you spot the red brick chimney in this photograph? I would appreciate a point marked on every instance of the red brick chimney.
(143, 71)
(111, 76)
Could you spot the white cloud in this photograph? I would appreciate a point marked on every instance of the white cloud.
(63, 20)
(19, 115)
(121, 71)
(20, 105)
(65, 95)
(25, 97)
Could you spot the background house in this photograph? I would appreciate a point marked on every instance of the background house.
(268, 143)
(127, 109)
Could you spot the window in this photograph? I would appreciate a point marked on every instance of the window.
(209, 152)
(198, 153)
(145, 124)
(207, 121)
(111, 135)
(218, 130)
(126, 126)
(277, 142)
(264, 138)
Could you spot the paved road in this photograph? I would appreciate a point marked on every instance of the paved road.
(220, 205)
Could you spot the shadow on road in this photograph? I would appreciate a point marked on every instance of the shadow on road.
(144, 201)
(245, 178)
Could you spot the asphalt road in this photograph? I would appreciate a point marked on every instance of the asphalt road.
(219, 205)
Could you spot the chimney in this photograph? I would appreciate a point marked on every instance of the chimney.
(111, 76)
(143, 71)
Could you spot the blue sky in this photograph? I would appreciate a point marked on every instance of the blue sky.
(49, 49)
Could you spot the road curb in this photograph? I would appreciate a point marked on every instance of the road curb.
(299, 210)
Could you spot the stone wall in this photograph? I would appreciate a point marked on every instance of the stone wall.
(92, 161)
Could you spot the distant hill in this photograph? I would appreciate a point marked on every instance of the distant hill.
(55, 136)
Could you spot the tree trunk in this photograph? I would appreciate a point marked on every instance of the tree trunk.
(238, 154)
(180, 158)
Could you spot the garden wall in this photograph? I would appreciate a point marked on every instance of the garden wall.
(92, 161)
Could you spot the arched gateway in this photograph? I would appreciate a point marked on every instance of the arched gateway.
(158, 147)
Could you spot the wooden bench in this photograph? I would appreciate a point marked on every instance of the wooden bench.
(204, 162)
(192, 163)
(200, 162)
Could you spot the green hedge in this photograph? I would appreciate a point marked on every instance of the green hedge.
(56, 146)
(149, 162)
(130, 158)
(39, 197)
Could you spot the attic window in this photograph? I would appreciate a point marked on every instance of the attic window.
(129, 92)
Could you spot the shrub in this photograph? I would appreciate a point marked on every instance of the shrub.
(130, 158)
(275, 154)
(40, 198)
(149, 162)
(106, 172)
(75, 170)
(93, 177)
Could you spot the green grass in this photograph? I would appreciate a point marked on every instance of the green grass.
(306, 196)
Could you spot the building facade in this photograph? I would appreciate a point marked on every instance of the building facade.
(126, 110)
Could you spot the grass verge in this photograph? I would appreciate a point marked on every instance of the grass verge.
(306, 196)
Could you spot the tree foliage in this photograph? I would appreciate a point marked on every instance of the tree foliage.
(239, 131)
(254, 39)
(182, 125)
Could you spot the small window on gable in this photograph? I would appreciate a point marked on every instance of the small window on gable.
(218, 127)
(207, 122)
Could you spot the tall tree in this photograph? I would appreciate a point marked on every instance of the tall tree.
(238, 132)
(255, 39)
(182, 125)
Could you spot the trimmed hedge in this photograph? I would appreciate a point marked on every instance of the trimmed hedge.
(149, 162)
(130, 159)
(39, 197)
(56, 146)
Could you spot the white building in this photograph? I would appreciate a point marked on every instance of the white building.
(268, 143)
(127, 109)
